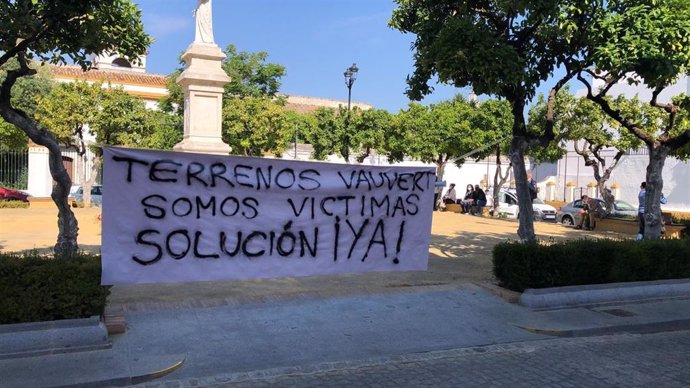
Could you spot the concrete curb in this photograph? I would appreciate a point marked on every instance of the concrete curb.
(52, 337)
(574, 296)
(635, 328)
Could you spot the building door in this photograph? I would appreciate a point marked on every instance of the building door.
(68, 163)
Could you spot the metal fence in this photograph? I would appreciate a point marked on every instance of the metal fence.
(14, 169)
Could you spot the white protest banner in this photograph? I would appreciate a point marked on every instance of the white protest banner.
(171, 217)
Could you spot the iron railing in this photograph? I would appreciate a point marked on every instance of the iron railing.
(14, 169)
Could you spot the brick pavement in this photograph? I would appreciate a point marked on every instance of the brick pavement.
(610, 361)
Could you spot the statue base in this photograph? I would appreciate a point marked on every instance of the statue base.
(202, 81)
(203, 145)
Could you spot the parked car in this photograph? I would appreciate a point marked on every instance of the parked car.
(508, 205)
(96, 196)
(13, 195)
(570, 213)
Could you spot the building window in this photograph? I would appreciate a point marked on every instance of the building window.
(121, 62)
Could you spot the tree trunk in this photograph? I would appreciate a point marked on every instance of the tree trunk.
(499, 180)
(655, 185)
(440, 170)
(526, 213)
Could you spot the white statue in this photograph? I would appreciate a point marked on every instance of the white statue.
(204, 22)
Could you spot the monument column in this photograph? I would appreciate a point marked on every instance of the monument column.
(202, 81)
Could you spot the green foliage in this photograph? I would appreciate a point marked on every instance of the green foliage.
(166, 130)
(346, 133)
(499, 48)
(323, 136)
(69, 109)
(250, 74)
(25, 94)
(55, 30)
(519, 266)
(40, 288)
(13, 205)
(580, 120)
(445, 131)
(253, 126)
(111, 114)
(648, 37)
(121, 119)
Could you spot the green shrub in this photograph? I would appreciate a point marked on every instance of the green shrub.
(13, 204)
(519, 266)
(40, 288)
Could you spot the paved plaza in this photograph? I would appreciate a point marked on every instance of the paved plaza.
(440, 328)
(611, 361)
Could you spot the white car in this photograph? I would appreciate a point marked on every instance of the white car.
(508, 205)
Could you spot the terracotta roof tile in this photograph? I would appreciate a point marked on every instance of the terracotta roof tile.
(117, 77)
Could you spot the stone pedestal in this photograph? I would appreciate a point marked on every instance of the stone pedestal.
(203, 82)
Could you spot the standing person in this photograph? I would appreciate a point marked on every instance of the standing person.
(640, 210)
(450, 196)
(438, 189)
(641, 196)
(467, 199)
(586, 219)
(479, 198)
(532, 184)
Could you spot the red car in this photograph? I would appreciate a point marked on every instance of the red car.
(13, 195)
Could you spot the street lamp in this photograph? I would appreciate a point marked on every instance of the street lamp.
(350, 77)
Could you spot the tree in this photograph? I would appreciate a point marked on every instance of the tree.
(166, 130)
(370, 128)
(440, 133)
(323, 136)
(51, 31)
(254, 126)
(583, 123)
(77, 111)
(357, 132)
(303, 125)
(644, 42)
(506, 49)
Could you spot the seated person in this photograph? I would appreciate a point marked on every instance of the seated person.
(479, 199)
(586, 215)
(450, 196)
(467, 200)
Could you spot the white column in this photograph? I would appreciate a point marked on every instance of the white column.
(550, 191)
(40, 183)
(571, 192)
(592, 190)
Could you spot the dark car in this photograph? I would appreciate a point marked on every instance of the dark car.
(570, 213)
(13, 195)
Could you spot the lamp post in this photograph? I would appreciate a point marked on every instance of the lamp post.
(350, 77)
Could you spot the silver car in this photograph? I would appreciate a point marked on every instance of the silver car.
(96, 196)
(570, 213)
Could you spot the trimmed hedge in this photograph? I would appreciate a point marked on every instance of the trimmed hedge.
(13, 205)
(519, 266)
(36, 287)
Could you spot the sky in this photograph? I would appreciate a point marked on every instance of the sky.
(316, 40)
